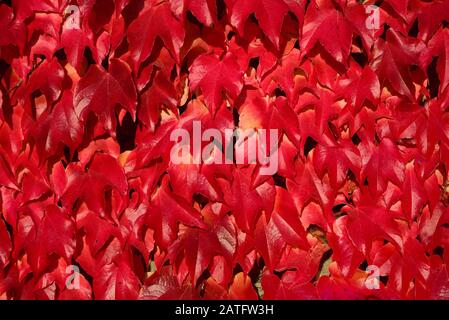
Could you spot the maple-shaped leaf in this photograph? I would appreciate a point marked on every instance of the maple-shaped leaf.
(46, 79)
(415, 263)
(142, 34)
(75, 40)
(405, 268)
(162, 62)
(135, 234)
(263, 113)
(337, 159)
(204, 10)
(246, 255)
(363, 19)
(392, 59)
(89, 184)
(314, 122)
(270, 15)
(216, 76)
(384, 163)
(45, 23)
(166, 209)
(439, 47)
(107, 146)
(55, 129)
(269, 241)
(286, 158)
(161, 94)
(187, 180)
(116, 281)
(330, 28)
(247, 200)
(287, 219)
(361, 86)
(152, 146)
(367, 223)
(305, 262)
(11, 134)
(284, 76)
(307, 186)
(23, 234)
(98, 230)
(111, 252)
(100, 91)
(432, 124)
(55, 233)
(198, 247)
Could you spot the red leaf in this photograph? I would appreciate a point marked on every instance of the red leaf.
(286, 219)
(165, 211)
(269, 13)
(142, 35)
(391, 60)
(47, 79)
(246, 200)
(103, 173)
(5, 245)
(60, 127)
(214, 77)
(161, 94)
(75, 41)
(355, 96)
(330, 28)
(269, 242)
(439, 47)
(100, 91)
(55, 233)
(366, 224)
(204, 10)
(336, 160)
(384, 164)
(116, 281)
(287, 288)
(165, 287)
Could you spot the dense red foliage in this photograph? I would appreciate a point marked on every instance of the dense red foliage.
(90, 93)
